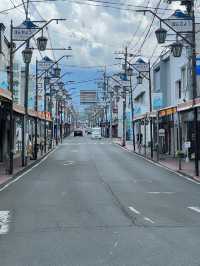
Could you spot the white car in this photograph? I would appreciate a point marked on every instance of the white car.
(96, 133)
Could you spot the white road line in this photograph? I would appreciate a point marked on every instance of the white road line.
(160, 192)
(29, 170)
(133, 210)
(68, 163)
(159, 165)
(4, 222)
(196, 209)
(149, 220)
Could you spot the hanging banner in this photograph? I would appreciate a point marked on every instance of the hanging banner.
(180, 22)
(24, 31)
(157, 100)
(45, 63)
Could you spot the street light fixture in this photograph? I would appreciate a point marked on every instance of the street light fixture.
(161, 35)
(176, 49)
(47, 80)
(61, 85)
(42, 43)
(129, 71)
(27, 55)
(57, 71)
(139, 79)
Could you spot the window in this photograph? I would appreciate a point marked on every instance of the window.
(178, 89)
(183, 78)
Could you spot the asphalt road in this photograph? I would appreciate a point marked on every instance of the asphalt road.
(92, 203)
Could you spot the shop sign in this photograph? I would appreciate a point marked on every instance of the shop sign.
(168, 111)
(161, 132)
(187, 144)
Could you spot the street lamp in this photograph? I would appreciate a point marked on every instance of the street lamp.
(139, 79)
(57, 71)
(129, 72)
(161, 35)
(47, 80)
(42, 43)
(61, 85)
(176, 49)
(27, 55)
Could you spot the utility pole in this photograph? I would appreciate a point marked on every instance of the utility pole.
(36, 110)
(150, 109)
(132, 113)
(124, 100)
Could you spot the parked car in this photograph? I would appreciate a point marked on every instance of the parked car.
(89, 131)
(96, 133)
(78, 132)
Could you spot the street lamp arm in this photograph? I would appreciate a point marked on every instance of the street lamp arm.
(132, 65)
(52, 49)
(164, 22)
(53, 64)
(116, 81)
(40, 29)
(61, 77)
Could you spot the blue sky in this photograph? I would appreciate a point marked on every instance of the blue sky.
(95, 33)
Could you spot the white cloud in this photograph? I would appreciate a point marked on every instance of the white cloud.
(94, 33)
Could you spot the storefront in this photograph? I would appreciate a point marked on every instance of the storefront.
(5, 107)
(167, 132)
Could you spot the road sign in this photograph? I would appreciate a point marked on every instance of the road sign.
(88, 96)
(24, 31)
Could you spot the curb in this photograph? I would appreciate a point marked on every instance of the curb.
(178, 172)
(23, 170)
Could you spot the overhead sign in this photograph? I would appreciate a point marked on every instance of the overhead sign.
(88, 96)
(24, 31)
(180, 22)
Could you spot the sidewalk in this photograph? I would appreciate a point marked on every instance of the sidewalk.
(187, 168)
(17, 167)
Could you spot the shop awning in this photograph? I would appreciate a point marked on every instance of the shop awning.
(5, 94)
(18, 108)
(140, 117)
(185, 106)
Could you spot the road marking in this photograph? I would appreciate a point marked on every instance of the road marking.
(29, 170)
(196, 209)
(68, 163)
(160, 192)
(149, 220)
(133, 210)
(4, 222)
